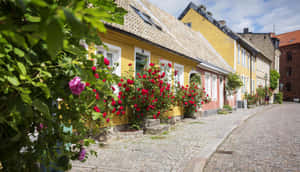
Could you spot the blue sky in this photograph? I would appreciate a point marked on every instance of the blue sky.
(257, 15)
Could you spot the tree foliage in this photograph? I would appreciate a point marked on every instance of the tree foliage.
(233, 83)
(39, 54)
(274, 76)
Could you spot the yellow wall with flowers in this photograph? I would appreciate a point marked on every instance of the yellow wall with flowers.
(127, 44)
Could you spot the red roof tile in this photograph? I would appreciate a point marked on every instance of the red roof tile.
(289, 38)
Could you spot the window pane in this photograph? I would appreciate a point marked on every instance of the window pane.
(140, 63)
(110, 58)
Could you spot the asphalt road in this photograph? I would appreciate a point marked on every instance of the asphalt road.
(269, 141)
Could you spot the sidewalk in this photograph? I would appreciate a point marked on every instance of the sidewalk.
(186, 147)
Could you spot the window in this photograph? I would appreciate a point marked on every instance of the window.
(168, 71)
(179, 77)
(142, 59)
(208, 83)
(214, 87)
(288, 86)
(289, 71)
(113, 54)
(238, 54)
(189, 24)
(147, 19)
(289, 56)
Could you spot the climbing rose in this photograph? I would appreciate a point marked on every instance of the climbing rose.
(151, 64)
(154, 116)
(76, 86)
(96, 75)
(169, 64)
(107, 120)
(106, 61)
(81, 154)
(96, 109)
(104, 114)
(94, 68)
(129, 64)
(130, 81)
(87, 84)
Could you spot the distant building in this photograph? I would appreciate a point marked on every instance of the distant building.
(269, 44)
(290, 64)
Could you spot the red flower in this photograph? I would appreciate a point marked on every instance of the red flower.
(104, 114)
(127, 89)
(183, 97)
(142, 114)
(130, 81)
(97, 96)
(163, 74)
(203, 88)
(144, 76)
(196, 110)
(121, 80)
(169, 117)
(144, 91)
(169, 64)
(151, 64)
(94, 90)
(176, 71)
(207, 95)
(118, 113)
(135, 105)
(103, 80)
(87, 84)
(158, 113)
(129, 64)
(154, 116)
(163, 64)
(123, 112)
(185, 103)
(113, 88)
(113, 103)
(106, 61)
(120, 84)
(120, 102)
(107, 120)
(202, 102)
(138, 109)
(149, 70)
(96, 75)
(96, 109)
(94, 68)
(120, 93)
(114, 110)
(121, 107)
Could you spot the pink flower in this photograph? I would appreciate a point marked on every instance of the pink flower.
(81, 154)
(76, 86)
(106, 61)
(94, 68)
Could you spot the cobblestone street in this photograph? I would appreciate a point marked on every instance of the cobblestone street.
(182, 149)
(270, 141)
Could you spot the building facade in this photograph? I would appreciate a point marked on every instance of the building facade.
(237, 51)
(290, 65)
(152, 35)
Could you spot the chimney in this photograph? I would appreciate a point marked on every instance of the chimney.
(222, 22)
(246, 30)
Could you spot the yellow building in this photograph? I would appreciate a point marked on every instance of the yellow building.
(240, 54)
(153, 35)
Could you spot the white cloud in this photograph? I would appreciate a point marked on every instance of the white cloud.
(258, 15)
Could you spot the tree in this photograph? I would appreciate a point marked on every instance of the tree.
(40, 53)
(233, 83)
(274, 76)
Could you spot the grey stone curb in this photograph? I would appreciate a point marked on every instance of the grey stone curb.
(198, 164)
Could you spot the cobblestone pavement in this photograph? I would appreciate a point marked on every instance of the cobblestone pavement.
(185, 143)
(269, 141)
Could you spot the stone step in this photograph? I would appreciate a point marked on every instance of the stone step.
(152, 122)
(157, 129)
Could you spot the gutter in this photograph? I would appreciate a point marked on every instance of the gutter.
(212, 68)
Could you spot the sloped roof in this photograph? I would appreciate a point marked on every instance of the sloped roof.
(174, 35)
(289, 38)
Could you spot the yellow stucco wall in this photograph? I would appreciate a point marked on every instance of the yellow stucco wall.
(221, 42)
(127, 45)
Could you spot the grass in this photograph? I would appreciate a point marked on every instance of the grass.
(222, 112)
(165, 133)
(197, 122)
(157, 137)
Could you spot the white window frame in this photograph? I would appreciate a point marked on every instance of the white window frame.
(239, 49)
(169, 73)
(116, 59)
(208, 83)
(179, 68)
(214, 87)
(141, 51)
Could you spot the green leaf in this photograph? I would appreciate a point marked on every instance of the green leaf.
(22, 68)
(54, 37)
(13, 80)
(41, 106)
(95, 115)
(26, 98)
(39, 3)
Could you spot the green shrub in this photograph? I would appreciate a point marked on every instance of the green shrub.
(227, 107)
(278, 98)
